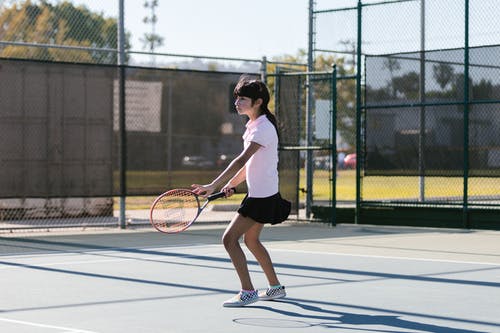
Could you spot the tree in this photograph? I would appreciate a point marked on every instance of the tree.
(392, 65)
(60, 24)
(151, 40)
(350, 46)
(408, 85)
(482, 90)
(443, 74)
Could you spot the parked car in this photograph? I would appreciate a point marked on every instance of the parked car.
(350, 161)
(198, 162)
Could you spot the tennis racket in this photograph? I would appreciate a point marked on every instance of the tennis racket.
(175, 210)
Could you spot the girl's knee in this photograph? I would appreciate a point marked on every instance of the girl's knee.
(228, 240)
(252, 242)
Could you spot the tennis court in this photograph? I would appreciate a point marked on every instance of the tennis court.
(346, 278)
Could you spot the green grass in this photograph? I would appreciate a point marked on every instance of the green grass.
(399, 187)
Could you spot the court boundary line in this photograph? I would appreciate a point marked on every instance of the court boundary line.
(28, 323)
(104, 249)
(270, 243)
(278, 265)
(388, 257)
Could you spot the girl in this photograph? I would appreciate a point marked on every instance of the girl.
(258, 166)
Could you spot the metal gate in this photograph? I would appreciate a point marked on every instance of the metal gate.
(305, 104)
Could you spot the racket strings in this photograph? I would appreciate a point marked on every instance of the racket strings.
(175, 211)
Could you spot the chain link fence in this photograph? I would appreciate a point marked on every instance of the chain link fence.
(66, 52)
(425, 134)
(305, 134)
(398, 26)
(57, 32)
(60, 125)
(86, 31)
(419, 131)
(60, 134)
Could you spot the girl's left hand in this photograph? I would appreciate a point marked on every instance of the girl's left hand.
(202, 190)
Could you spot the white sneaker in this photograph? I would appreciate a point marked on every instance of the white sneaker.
(242, 298)
(272, 293)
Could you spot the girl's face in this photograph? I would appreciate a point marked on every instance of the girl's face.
(243, 105)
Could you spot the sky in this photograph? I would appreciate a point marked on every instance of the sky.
(257, 28)
(225, 28)
(253, 29)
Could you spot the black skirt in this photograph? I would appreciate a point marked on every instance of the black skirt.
(273, 209)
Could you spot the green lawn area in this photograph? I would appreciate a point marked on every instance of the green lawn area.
(373, 187)
(399, 187)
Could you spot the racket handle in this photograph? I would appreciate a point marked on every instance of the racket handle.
(218, 195)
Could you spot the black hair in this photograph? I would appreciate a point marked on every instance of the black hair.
(255, 89)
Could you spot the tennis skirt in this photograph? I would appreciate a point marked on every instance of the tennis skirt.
(273, 209)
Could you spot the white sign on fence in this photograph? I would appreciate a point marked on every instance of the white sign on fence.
(142, 106)
(322, 119)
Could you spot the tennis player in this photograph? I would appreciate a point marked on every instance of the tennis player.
(258, 166)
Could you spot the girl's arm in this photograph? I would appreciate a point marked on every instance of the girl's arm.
(234, 170)
(239, 178)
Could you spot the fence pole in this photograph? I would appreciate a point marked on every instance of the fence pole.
(358, 117)
(309, 107)
(263, 69)
(465, 217)
(122, 122)
(333, 153)
(421, 136)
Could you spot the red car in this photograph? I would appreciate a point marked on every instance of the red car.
(350, 161)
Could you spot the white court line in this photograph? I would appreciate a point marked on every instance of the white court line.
(98, 261)
(28, 323)
(80, 262)
(189, 247)
(110, 250)
(389, 257)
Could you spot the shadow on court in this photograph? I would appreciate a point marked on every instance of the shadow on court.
(324, 318)
(46, 245)
(347, 278)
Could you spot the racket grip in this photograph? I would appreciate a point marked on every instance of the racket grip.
(218, 195)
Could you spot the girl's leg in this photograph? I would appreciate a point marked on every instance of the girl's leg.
(260, 253)
(238, 226)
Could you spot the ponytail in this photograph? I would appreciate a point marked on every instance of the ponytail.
(272, 118)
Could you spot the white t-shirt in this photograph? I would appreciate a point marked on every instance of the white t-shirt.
(262, 167)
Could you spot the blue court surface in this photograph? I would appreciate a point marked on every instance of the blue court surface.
(346, 278)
